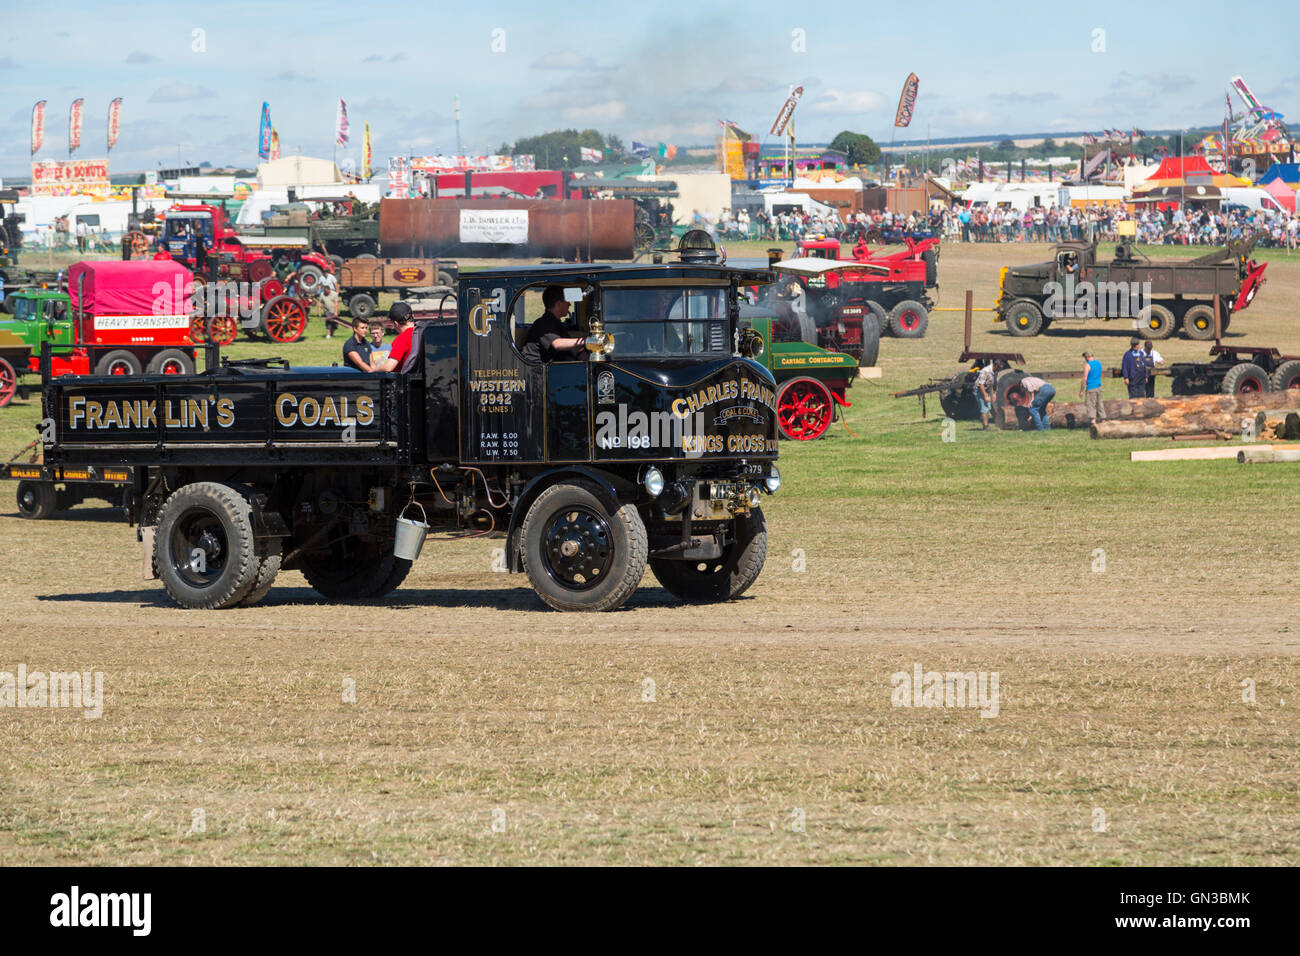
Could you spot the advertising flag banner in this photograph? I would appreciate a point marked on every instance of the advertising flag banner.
(38, 126)
(366, 154)
(74, 124)
(114, 121)
(341, 127)
(787, 110)
(275, 144)
(907, 101)
(264, 133)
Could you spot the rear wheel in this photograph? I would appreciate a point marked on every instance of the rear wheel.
(1287, 375)
(1198, 322)
(118, 362)
(171, 362)
(355, 569)
(870, 340)
(204, 549)
(908, 319)
(1156, 322)
(1245, 379)
(804, 409)
(1008, 396)
(8, 382)
(36, 499)
(722, 578)
(362, 305)
(579, 555)
(1024, 317)
(268, 567)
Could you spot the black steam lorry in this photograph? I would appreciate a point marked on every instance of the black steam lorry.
(654, 449)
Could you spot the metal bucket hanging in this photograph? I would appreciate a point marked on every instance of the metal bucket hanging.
(410, 533)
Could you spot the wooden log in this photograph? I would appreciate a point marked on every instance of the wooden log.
(1196, 453)
(1251, 456)
(1224, 424)
(1073, 415)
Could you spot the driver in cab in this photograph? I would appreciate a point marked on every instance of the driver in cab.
(550, 337)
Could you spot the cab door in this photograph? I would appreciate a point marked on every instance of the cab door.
(57, 324)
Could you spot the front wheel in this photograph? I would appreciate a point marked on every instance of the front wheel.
(804, 409)
(284, 319)
(578, 554)
(8, 382)
(908, 319)
(1024, 317)
(722, 578)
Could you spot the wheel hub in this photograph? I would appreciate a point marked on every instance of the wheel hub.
(578, 547)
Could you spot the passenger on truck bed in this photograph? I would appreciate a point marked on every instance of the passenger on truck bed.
(401, 315)
(550, 337)
(356, 350)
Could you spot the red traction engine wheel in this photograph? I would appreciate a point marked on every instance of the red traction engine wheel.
(284, 319)
(804, 409)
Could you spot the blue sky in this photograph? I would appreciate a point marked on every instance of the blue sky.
(663, 71)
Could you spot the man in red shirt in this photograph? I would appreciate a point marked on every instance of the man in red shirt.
(400, 313)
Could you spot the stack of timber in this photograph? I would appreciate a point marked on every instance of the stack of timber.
(1225, 416)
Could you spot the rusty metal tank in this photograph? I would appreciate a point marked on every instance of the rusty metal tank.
(569, 229)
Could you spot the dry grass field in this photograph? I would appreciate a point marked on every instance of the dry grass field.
(488, 729)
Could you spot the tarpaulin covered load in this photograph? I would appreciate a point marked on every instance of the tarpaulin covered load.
(150, 287)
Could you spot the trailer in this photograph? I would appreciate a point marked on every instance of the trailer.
(655, 452)
(363, 280)
(44, 489)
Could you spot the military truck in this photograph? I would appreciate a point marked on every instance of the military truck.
(1073, 286)
(656, 450)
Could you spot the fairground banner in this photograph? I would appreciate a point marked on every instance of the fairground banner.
(264, 133)
(399, 179)
(475, 164)
(70, 177)
(787, 110)
(114, 121)
(341, 124)
(38, 126)
(907, 101)
(366, 154)
(74, 124)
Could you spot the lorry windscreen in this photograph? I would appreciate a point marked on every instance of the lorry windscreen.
(24, 308)
(667, 321)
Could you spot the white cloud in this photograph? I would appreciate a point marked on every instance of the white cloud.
(177, 92)
(597, 112)
(843, 102)
(560, 60)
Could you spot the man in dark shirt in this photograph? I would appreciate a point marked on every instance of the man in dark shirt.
(1134, 370)
(356, 350)
(549, 337)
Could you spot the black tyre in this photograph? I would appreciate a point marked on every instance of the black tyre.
(1244, 379)
(1024, 317)
(309, 280)
(908, 319)
(204, 549)
(1286, 375)
(362, 305)
(337, 262)
(170, 362)
(268, 567)
(719, 579)
(36, 499)
(870, 339)
(367, 255)
(1156, 321)
(578, 555)
(354, 569)
(446, 278)
(1198, 322)
(119, 362)
(931, 268)
(957, 396)
(882, 316)
(1007, 393)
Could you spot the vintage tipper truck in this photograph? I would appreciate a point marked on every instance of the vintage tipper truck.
(653, 448)
(1074, 285)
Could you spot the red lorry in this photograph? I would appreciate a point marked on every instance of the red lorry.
(899, 296)
(110, 318)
